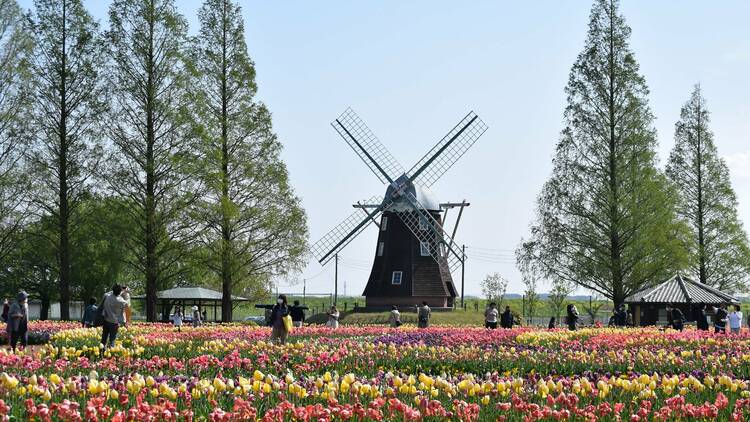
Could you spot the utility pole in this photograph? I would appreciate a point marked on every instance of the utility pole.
(463, 261)
(336, 281)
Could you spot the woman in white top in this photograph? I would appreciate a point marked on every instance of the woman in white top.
(395, 317)
(177, 318)
(333, 318)
(735, 320)
(490, 316)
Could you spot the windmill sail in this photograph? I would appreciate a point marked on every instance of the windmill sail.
(367, 146)
(340, 236)
(447, 151)
(427, 229)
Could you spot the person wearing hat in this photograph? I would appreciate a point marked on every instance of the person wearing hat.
(18, 321)
(196, 316)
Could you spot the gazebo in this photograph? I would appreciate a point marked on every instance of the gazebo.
(649, 305)
(187, 297)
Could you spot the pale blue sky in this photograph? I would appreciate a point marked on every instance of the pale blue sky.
(411, 70)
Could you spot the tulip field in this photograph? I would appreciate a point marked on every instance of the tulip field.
(232, 373)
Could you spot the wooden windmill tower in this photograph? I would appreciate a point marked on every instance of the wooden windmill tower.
(414, 256)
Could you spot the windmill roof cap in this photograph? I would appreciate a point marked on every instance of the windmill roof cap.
(423, 195)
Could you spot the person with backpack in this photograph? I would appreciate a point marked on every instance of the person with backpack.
(89, 314)
(113, 315)
(197, 321)
(395, 317)
(18, 321)
(423, 315)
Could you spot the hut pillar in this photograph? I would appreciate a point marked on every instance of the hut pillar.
(637, 316)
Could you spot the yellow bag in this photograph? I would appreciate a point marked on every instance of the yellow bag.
(287, 323)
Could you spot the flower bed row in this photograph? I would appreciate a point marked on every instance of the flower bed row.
(373, 373)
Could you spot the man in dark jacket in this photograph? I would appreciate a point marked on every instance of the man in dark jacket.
(506, 319)
(701, 321)
(297, 314)
(720, 319)
(676, 318)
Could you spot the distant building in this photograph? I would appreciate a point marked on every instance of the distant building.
(649, 305)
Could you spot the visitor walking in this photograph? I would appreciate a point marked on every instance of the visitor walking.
(197, 318)
(395, 317)
(506, 321)
(735, 320)
(113, 313)
(279, 332)
(297, 314)
(701, 320)
(89, 314)
(676, 317)
(552, 324)
(177, 318)
(18, 321)
(720, 319)
(572, 317)
(629, 319)
(490, 316)
(333, 317)
(423, 315)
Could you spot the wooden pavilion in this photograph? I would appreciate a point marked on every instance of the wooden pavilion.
(649, 305)
(187, 297)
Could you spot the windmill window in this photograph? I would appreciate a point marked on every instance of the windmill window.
(383, 224)
(423, 224)
(424, 248)
(396, 277)
(381, 245)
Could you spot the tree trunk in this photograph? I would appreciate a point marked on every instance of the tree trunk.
(614, 229)
(226, 235)
(151, 269)
(64, 217)
(701, 229)
(44, 308)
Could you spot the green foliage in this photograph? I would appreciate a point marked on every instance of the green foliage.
(718, 246)
(606, 217)
(154, 162)
(494, 287)
(253, 226)
(68, 104)
(15, 49)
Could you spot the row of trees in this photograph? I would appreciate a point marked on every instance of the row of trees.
(138, 155)
(609, 219)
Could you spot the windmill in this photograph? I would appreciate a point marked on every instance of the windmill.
(414, 257)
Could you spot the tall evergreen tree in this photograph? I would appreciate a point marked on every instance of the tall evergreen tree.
(718, 246)
(68, 104)
(606, 218)
(255, 228)
(15, 46)
(152, 167)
